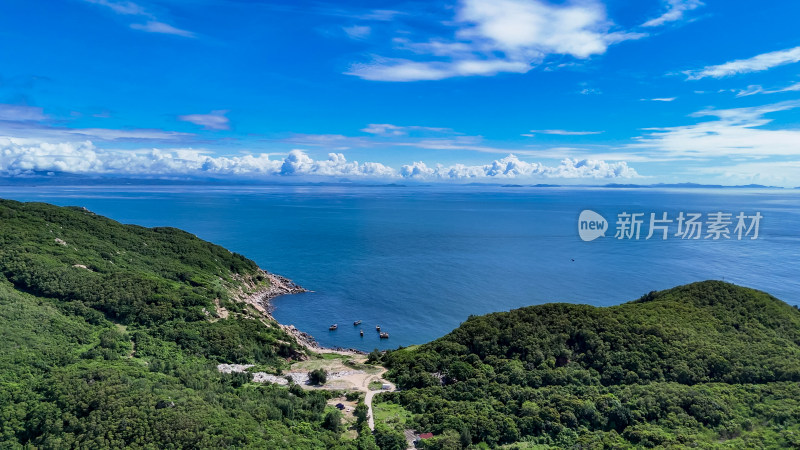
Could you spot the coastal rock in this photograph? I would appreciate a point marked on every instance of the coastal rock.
(233, 368)
(261, 298)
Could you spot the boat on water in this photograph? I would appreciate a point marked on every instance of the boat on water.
(357, 322)
(362, 333)
(384, 335)
(378, 328)
(333, 327)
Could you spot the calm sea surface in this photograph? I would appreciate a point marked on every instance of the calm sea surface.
(419, 260)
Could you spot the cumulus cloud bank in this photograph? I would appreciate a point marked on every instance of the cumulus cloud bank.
(20, 156)
(511, 167)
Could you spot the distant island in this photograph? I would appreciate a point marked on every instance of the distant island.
(691, 186)
(120, 336)
(70, 179)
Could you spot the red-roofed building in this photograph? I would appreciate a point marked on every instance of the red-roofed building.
(426, 435)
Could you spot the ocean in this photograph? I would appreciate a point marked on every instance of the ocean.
(418, 260)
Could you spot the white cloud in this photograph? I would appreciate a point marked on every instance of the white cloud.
(215, 120)
(501, 36)
(757, 63)
(675, 11)
(736, 133)
(298, 163)
(152, 25)
(513, 167)
(25, 156)
(383, 69)
(20, 156)
(566, 132)
(756, 89)
(21, 113)
(530, 28)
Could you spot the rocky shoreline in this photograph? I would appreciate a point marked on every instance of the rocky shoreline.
(261, 299)
(279, 285)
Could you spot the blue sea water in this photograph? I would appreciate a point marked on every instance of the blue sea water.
(420, 260)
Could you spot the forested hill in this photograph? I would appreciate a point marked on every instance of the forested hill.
(110, 335)
(709, 364)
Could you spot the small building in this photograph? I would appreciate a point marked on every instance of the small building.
(386, 387)
(418, 438)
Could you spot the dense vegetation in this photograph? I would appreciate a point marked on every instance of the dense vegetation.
(708, 364)
(109, 338)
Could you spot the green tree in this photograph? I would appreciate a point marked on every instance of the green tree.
(361, 412)
(333, 421)
(388, 439)
(318, 376)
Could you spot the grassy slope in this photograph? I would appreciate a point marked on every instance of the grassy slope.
(121, 353)
(709, 364)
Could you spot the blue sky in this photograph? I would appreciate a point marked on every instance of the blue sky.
(520, 91)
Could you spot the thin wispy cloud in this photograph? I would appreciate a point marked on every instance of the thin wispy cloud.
(154, 26)
(764, 61)
(659, 99)
(566, 132)
(21, 113)
(122, 7)
(386, 129)
(151, 25)
(215, 120)
(357, 31)
(30, 123)
(675, 11)
(757, 89)
(362, 14)
(498, 36)
(739, 133)
(780, 173)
